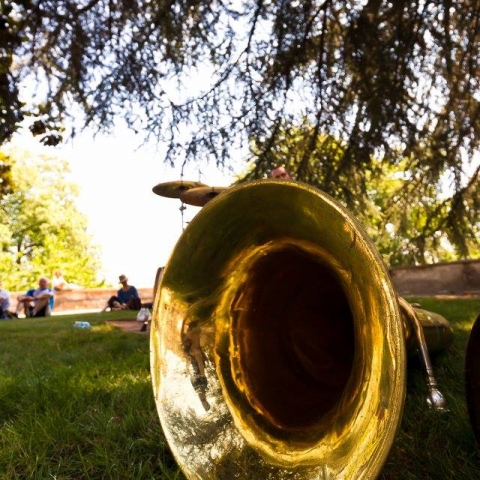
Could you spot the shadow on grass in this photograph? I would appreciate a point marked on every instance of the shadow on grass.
(78, 404)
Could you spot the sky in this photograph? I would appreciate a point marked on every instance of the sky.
(136, 229)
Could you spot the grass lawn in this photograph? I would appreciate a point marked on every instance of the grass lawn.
(78, 404)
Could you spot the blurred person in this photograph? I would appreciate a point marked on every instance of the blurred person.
(127, 297)
(280, 173)
(37, 302)
(5, 303)
(59, 282)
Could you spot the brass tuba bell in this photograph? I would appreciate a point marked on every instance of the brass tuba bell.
(278, 343)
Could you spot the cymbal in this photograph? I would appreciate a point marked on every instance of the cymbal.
(200, 196)
(176, 188)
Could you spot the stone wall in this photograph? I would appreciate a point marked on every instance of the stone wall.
(86, 299)
(453, 278)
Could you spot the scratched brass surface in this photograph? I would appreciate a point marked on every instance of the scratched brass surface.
(277, 347)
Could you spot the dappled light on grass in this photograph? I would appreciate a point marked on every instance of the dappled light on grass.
(106, 328)
(78, 404)
(465, 326)
(438, 444)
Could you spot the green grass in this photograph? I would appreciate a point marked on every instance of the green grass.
(78, 404)
(438, 445)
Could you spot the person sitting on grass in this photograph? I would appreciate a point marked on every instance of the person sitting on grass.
(37, 302)
(59, 283)
(5, 303)
(126, 299)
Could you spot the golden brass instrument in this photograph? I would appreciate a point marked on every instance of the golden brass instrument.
(200, 196)
(176, 188)
(278, 344)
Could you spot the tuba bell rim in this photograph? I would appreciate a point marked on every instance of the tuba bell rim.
(199, 298)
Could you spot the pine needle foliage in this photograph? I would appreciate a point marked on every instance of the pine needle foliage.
(396, 81)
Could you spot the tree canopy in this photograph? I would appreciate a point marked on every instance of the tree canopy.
(396, 82)
(407, 226)
(41, 228)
